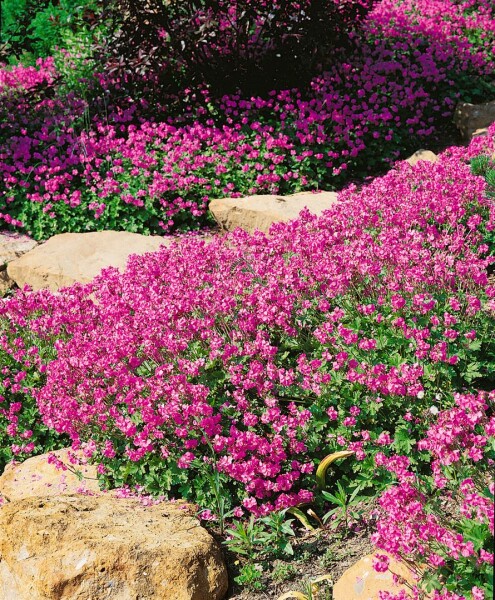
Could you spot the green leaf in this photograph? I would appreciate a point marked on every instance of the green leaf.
(472, 372)
(403, 441)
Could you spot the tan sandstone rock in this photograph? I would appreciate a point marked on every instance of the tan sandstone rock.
(68, 258)
(426, 155)
(260, 212)
(362, 582)
(12, 246)
(103, 548)
(480, 133)
(468, 117)
(5, 283)
(37, 477)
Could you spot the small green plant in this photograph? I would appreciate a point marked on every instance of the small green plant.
(283, 572)
(215, 480)
(266, 536)
(75, 65)
(305, 556)
(245, 537)
(250, 576)
(279, 529)
(328, 558)
(343, 510)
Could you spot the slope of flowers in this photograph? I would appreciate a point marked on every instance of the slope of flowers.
(70, 164)
(255, 356)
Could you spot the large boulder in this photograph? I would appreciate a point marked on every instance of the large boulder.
(469, 118)
(12, 246)
(362, 582)
(37, 476)
(260, 212)
(68, 258)
(104, 548)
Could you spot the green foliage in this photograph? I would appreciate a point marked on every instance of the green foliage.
(278, 530)
(250, 576)
(75, 64)
(158, 476)
(484, 166)
(473, 88)
(245, 537)
(344, 507)
(268, 536)
(283, 572)
(216, 481)
(16, 17)
(328, 559)
(33, 28)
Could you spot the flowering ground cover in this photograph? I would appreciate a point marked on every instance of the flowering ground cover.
(226, 372)
(338, 374)
(86, 156)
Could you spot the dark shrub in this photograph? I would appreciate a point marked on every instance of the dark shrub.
(253, 45)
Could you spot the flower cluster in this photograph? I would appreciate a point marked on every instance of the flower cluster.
(454, 522)
(26, 78)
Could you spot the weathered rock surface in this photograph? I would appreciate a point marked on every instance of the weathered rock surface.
(426, 155)
(68, 258)
(480, 133)
(37, 477)
(470, 117)
(5, 283)
(102, 548)
(362, 582)
(260, 212)
(12, 246)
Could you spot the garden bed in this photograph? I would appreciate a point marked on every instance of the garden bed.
(313, 390)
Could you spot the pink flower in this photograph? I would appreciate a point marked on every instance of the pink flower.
(185, 460)
(381, 563)
(207, 515)
(332, 413)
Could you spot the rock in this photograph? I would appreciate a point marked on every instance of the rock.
(426, 155)
(470, 117)
(12, 246)
(362, 582)
(103, 548)
(260, 212)
(5, 283)
(68, 258)
(37, 477)
(480, 133)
